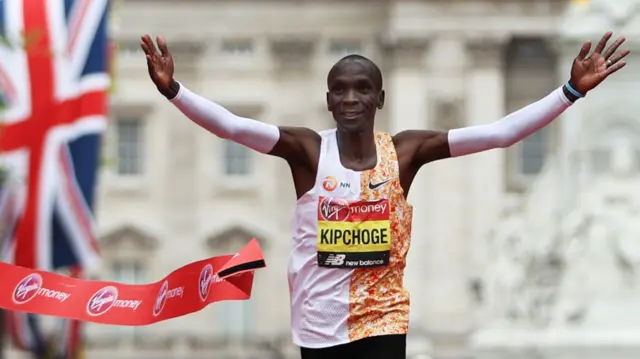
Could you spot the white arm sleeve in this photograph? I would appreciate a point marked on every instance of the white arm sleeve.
(513, 128)
(256, 135)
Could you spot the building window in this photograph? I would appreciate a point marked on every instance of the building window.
(237, 159)
(344, 48)
(236, 319)
(128, 271)
(533, 153)
(130, 146)
(237, 47)
(530, 74)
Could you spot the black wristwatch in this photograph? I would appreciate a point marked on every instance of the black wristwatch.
(571, 93)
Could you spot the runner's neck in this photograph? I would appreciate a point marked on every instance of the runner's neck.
(357, 149)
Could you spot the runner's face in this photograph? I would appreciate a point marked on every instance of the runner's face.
(353, 96)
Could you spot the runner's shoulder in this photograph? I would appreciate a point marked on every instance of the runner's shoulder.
(403, 143)
(304, 137)
(298, 144)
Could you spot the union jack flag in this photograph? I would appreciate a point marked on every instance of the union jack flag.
(54, 81)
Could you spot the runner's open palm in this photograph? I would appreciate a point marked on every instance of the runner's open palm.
(589, 72)
(160, 63)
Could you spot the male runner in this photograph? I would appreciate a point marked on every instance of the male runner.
(352, 225)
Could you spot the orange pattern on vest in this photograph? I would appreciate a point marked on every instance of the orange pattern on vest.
(378, 302)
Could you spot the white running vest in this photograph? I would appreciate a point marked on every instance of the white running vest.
(332, 306)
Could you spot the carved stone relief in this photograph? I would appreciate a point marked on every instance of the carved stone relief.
(186, 53)
(523, 278)
(574, 277)
(619, 11)
(128, 236)
(233, 239)
(613, 147)
(128, 243)
(404, 52)
(292, 53)
(486, 52)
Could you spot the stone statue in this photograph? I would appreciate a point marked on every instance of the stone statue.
(523, 274)
(626, 235)
(617, 10)
(602, 255)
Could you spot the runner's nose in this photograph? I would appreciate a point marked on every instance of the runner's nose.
(350, 98)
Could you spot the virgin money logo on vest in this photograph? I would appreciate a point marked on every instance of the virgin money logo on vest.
(31, 286)
(206, 279)
(334, 209)
(107, 298)
(165, 294)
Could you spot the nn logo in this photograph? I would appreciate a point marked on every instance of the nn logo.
(330, 184)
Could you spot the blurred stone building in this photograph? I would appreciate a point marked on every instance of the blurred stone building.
(488, 272)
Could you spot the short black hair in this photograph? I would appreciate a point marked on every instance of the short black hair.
(375, 70)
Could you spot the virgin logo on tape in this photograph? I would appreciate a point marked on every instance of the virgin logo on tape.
(107, 298)
(31, 286)
(206, 278)
(164, 294)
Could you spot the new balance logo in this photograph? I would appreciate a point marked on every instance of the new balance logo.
(335, 260)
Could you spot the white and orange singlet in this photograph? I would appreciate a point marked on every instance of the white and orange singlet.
(351, 235)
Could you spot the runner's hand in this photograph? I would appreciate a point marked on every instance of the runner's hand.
(159, 63)
(589, 71)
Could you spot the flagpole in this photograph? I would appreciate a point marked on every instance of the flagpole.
(3, 324)
(2, 336)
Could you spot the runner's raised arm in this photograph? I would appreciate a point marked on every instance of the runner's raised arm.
(290, 143)
(587, 72)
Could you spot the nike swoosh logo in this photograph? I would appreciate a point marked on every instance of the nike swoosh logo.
(374, 186)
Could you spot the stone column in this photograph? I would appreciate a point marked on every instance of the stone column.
(292, 103)
(573, 127)
(406, 108)
(447, 202)
(485, 98)
(292, 74)
(181, 168)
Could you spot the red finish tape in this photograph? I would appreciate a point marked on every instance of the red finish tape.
(186, 290)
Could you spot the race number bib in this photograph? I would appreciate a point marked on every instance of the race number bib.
(353, 234)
